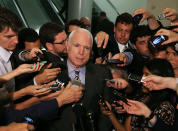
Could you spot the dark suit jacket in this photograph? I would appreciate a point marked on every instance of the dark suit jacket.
(94, 85)
(44, 111)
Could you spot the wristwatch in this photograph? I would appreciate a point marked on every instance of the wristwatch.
(150, 116)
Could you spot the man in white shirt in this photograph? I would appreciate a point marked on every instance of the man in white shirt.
(9, 26)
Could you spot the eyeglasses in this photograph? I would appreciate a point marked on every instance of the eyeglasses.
(60, 43)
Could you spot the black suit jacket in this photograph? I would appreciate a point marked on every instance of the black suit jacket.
(45, 111)
(94, 85)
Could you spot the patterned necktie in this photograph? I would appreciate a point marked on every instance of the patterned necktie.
(125, 47)
(76, 75)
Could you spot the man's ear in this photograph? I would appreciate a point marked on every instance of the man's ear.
(134, 46)
(67, 45)
(114, 29)
(49, 46)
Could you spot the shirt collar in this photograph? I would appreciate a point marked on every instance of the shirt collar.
(71, 69)
(5, 54)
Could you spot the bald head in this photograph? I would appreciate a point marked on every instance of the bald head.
(79, 47)
(79, 32)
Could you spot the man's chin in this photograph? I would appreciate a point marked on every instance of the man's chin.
(63, 55)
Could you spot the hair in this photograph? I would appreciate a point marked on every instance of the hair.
(26, 35)
(103, 14)
(139, 31)
(173, 46)
(8, 20)
(124, 18)
(160, 67)
(48, 32)
(75, 22)
(80, 30)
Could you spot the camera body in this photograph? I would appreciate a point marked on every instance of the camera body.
(114, 61)
(156, 41)
(40, 63)
(137, 18)
(56, 86)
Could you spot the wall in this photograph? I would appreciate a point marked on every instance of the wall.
(156, 7)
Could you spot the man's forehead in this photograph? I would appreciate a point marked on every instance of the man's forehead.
(8, 31)
(60, 35)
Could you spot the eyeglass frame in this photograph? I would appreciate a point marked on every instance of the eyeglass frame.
(60, 43)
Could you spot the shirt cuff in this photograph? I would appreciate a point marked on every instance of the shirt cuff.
(130, 56)
(152, 124)
(34, 81)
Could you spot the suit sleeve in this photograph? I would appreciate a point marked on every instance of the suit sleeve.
(47, 110)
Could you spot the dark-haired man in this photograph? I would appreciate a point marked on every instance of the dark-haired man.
(119, 42)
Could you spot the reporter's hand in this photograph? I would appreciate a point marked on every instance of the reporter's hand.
(145, 14)
(119, 109)
(122, 57)
(32, 54)
(25, 68)
(69, 95)
(19, 127)
(175, 24)
(102, 36)
(172, 36)
(153, 82)
(170, 14)
(47, 75)
(36, 90)
(137, 108)
(152, 22)
(103, 109)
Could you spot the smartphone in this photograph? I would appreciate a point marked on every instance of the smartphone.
(120, 97)
(161, 17)
(110, 80)
(28, 120)
(137, 18)
(102, 100)
(114, 61)
(56, 86)
(134, 77)
(40, 63)
(158, 40)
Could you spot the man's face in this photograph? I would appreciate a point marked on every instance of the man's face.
(172, 57)
(8, 39)
(79, 49)
(141, 45)
(122, 32)
(59, 44)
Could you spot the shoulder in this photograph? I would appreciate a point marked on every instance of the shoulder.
(166, 111)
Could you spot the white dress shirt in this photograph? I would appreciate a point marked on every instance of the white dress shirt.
(5, 67)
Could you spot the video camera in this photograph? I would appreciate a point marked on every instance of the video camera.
(56, 86)
(62, 80)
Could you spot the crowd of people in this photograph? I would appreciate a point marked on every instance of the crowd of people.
(124, 77)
